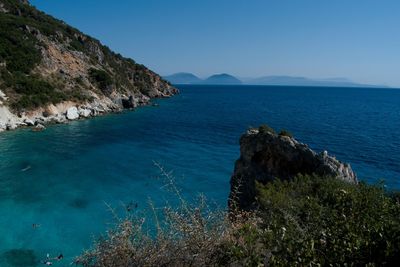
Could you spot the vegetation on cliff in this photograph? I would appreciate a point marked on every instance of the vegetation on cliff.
(43, 60)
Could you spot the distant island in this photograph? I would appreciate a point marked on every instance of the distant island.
(222, 79)
(190, 78)
(227, 79)
(183, 78)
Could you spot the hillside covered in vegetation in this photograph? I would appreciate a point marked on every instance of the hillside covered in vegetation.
(45, 62)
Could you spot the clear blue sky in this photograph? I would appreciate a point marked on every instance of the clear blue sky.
(359, 40)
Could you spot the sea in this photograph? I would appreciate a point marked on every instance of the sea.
(61, 188)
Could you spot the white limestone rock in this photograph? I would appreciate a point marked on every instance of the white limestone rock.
(83, 112)
(3, 96)
(29, 122)
(72, 113)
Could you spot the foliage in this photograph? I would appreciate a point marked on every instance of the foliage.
(20, 53)
(285, 133)
(266, 129)
(34, 92)
(189, 235)
(101, 78)
(309, 221)
(326, 221)
(17, 49)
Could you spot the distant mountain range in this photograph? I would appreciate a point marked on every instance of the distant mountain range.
(189, 78)
(183, 78)
(222, 79)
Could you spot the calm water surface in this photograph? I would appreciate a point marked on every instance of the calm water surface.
(63, 177)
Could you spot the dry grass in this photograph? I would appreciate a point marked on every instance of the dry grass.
(189, 235)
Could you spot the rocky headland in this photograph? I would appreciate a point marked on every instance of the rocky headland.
(51, 72)
(265, 156)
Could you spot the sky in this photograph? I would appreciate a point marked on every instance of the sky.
(354, 39)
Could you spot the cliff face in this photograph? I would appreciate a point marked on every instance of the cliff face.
(265, 156)
(48, 67)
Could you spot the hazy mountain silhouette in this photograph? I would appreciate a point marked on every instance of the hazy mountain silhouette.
(189, 78)
(183, 78)
(303, 81)
(222, 79)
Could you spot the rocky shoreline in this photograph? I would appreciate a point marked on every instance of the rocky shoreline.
(67, 111)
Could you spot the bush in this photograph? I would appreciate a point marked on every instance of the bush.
(77, 45)
(33, 92)
(313, 220)
(266, 129)
(310, 221)
(102, 79)
(189, 235)
(285, 133)
(17, 48)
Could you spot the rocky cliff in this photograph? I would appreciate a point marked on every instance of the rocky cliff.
(265, 156)
(49, 69)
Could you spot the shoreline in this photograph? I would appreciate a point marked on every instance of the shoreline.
(68, 111)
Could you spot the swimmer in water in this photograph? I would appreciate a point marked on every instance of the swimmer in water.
(26, 168)
(35, 225)
(131, 206)
(49, 260)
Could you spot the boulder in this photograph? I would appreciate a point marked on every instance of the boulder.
(265, 156)
(58, 119)
(83, 112)
(72, 113)
(29, 122)
(130, 103)
(11, 125)
(143, 100)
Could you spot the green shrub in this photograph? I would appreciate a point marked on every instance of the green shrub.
(285, 133)
(17, 47)
(265, 129)
(102, 79)
(33, 92)
(313, 220)
(77, 45)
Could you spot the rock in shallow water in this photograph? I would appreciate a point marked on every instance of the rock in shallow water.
(265, 156)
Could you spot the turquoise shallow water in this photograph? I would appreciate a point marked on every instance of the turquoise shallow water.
(61, 178)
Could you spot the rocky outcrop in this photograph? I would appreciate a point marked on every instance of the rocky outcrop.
(265, 156)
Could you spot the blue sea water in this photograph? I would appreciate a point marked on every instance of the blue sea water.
(64, 177)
